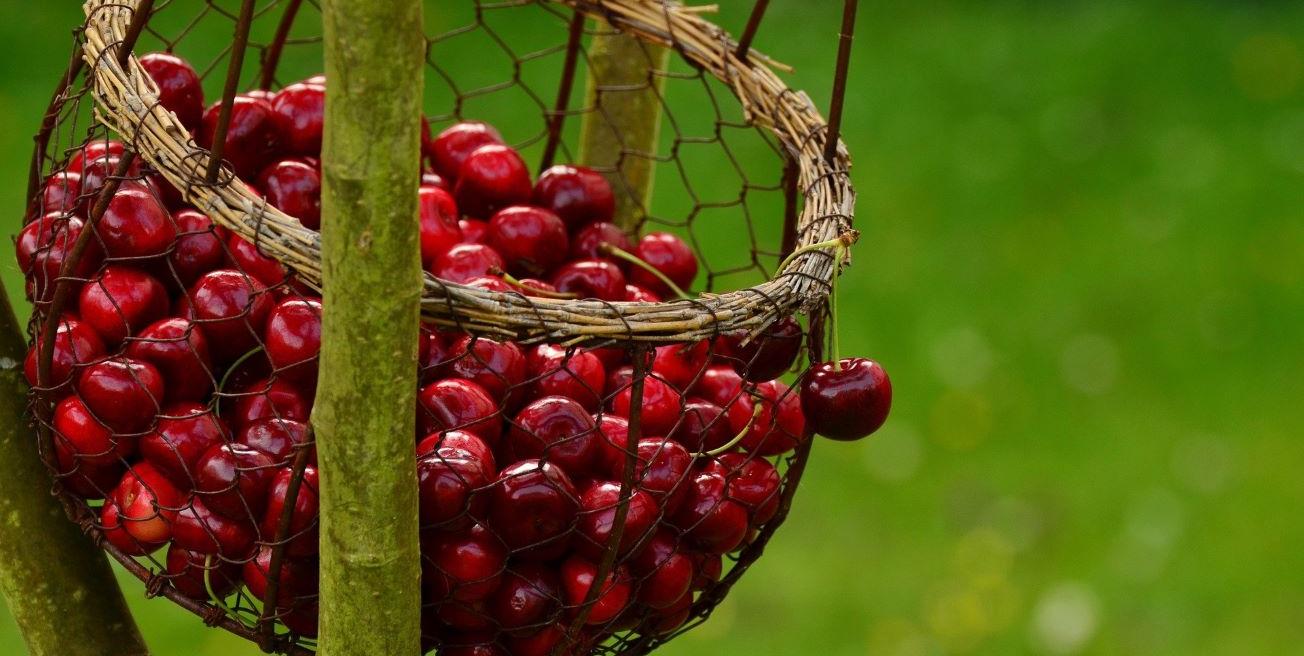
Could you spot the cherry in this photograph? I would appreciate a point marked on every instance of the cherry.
(663, 470)
(597, 519)
(667, 254)
(486, 647)
(232, 479)
(847, 400)
(474, 231)
(75, 345)
(463, 262)
(620, 378)
(301, 618)
(711, 521)
(82, 436)
(587, 243)
(249, 258)
(660, 408)
(231, 308)
(672, 617)
(301, 538)
(719, 384)
(531, 240)
(123, 393)
(198, 248)
(532, 507)
(543, 642)
(558, 372)
(292, 339)
(277, 438)
(432, 179)
(578, 194)
(146, 504)
(709, 568)
(449, 480)
(440, 230)
(184, 433)
(637, 294)
(613, 438)
(464, 616)
(114, 529)
(752, 482)
(294, 187)
(496, 366)
(770, 354)
(492, 284)
(135, 224)
(299, 111)
(600, 279)
(528, 596)
(781, 425)
(465, 566)
(199, 529)
(557, 430)
(296, 578)
(577, 576)
(187, 571)
(48, 260)
(120, 301)
(492, 177)
(179, 349)
(455, 439)
(535, 287)
(93, 150)
(457, 403)
(82, 478)
(40, 234)
(273, 398)
(663, 573)
(251, 138)
(702, 427)
(179, 88)
(681, 364)
(456, 143)
(61, 193)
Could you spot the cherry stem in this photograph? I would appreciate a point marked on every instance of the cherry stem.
(756, 412)
(221, 385)
(840, 245)
(511, 280)
(218, 601)
(616, 251)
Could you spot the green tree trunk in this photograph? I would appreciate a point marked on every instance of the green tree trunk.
(364, 415)
(58, 586)
(622, 134)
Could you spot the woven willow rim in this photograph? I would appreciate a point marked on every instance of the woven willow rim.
(127, 101)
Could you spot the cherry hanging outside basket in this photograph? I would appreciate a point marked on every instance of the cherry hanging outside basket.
(651, 435)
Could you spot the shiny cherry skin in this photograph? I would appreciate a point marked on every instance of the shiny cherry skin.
(114, 527)
(277, 438)
(663, 470)
(666, 620)
(188, 570)
(459, 404)
(40, 234)
(613, 596)
(270, 398)
(592, 278)
(578, 375)
(94, 150)
(183, 434)
(531, 240)
(294, 187)
(532, 508)
(465, 566)
(493, 177)
(292, 339)
(542, 642)
(198, 248)
(708, 568)
(456, 143)
(702, 427)
(667, 254)
(464, 262)
(75, 345)
(613, 436)
(201, 530)
(619, 379)
(449, 484)
(62, 193)
(179, 349)
(474, 231)
(147, 504)
(81, 478)
(299, 110)
(770, 354)
(432, 350)
(135, 224)
(124, 393)
(555, 429)
(535, 287)
(96, 173)
(231, 308)
(753, 482)
(249, 258)
(781, 425)
(492, 284)
(847, 401)
(681, 364)
(430, 178)
(662, 573)
(660, 408)
(252, 138)
(302, 535)
(49, 258)
(637, 294)
(497, 366)
(179, 88)
(232, 480)
(298, 577)
(711, 521)
(528, 596)
(440, 230)
(588, 242)
(578, 194)
(120, 301)
(597, 519)
(81, 435)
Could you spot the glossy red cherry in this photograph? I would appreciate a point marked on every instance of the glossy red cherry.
(135, 224)
(115, 532)
(188, 570)
(600, 279)
(301, 538)
(456, 143)
(613, 438)
(531, 240)
(753, 482)
(660, 408)
(299, 109)
(297, 577)
(294, 187)
(121, 301)
(558, 371)
(82, 478)
(179, 88)
(532, 507)
(492, 284)
(493, 177)
(711, 521)
(40, 234)
(277, 438)
(80, 434)
(780, 426)
(430, 178)
(62, 194)
(292, 339)
(463, 616)
(577, 577)
(702, 427)
(709, 568)
(179, 349)
(668, 619)
(770, 354)
(464, 262)
(529, 595)
(94, 150)
(75, 344)
(554, 429)
(597, 519)
(464, 441)
(48, 260)
(534, 287)
(663, 470)
(198, 248)
(449, 483)
(637, 294)
(474, 231)
(440, 230)
(124, 393)
(199, 529)
(146, 504)
(578, 194)
(252, 137)
(588, 242)
(667, 254)
(465, 566)
(681, 364)
(273, 398)
(459, 404)
(497, 366)
(848, 401)
(231, 308)
(184, 433)
(662, 573)
(249, 258)
(232, 480)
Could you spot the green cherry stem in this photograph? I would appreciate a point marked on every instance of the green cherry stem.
(756, 412)
(840, 245)
(637, 261)
(218, 601)
(530, 289)
(221, 385)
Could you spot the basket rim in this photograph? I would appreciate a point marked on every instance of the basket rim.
(126, 100)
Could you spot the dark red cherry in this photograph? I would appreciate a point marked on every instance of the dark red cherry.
(846, 401)
(577, 576)
(542, 642)
(459, 404)
(708, 567)
(82, 436)
(179, 88)
(681, 364)
(702, 427)
(62, 193)
(474, 231)
(299, 109)
(464, 262)
(493, 177)
(188, 571)
(75, 344)
(588, 242)
(250, 259)
(492, 284)
(497, 366)
(529, 595)
(600, 279)
(294, 187)
(82, 478)
(554, 429)
(456, 143)
(182, 436)
(147, 504)
(198, 248)
(663, 470)
(662, 573)
(40, 234)
(201, 530)
(49, 258)
(613, 438)
(465, 566)
(753, 482)
(297, 577)
(532, 507)
(277, 438)
(534, 287)
(114, 529)
(124, 393)
(596, 525)
(463, 616)
(667, 254)
(462, 440)
(578, 194)
(531, 240)
(270, 398)
(781, 424)
(430, 178)
(711, 521)
(231, 308)
(292, 339)
(660, 408)
(301, 539)
(179, 349)
(449, 483)
(135, 224)
(556, 371)
(232, 479)
(94, 150)
(637, 294)
(120, 301)
(97, 172)
(432, 350)
(440, 230)
(252, 137)
(770, 354)
(668, 619)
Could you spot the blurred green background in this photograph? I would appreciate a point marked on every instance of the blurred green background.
(1083, 265)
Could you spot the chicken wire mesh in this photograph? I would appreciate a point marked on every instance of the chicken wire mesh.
(173, 361)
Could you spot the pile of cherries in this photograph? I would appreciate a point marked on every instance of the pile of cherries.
(185, 366)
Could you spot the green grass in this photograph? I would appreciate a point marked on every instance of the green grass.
(1082, 266)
